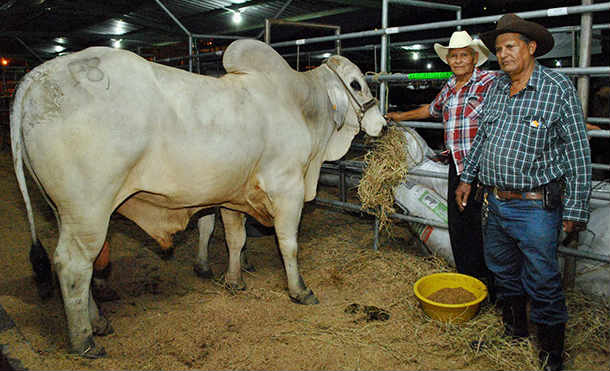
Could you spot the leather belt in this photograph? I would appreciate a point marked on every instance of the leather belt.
(514, 195)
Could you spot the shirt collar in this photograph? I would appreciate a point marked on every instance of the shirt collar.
(534, 82)
(476, 76)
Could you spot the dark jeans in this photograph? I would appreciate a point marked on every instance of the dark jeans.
(465, 231)
(521, 241)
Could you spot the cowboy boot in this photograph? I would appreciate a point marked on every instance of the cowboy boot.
(551, 340)
(514, 317)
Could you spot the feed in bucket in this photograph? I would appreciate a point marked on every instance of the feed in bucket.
(463, 284)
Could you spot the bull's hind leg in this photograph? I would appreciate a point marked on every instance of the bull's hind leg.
(235, 235)
(288, 214)
(73, 260)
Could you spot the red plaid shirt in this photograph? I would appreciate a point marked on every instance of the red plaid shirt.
(460, 111)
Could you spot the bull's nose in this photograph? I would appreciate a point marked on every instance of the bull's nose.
(379, 129)
(384, 130)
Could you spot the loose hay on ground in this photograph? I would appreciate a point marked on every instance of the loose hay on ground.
(186, 323)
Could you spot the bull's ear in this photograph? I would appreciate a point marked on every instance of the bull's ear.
(339, 103)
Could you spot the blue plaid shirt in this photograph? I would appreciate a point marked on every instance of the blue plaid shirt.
(533, 138)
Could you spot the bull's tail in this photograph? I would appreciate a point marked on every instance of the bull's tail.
(38, 255)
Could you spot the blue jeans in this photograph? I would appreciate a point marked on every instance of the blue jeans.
(520, 242)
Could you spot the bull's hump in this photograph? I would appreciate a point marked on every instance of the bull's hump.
(249, 55)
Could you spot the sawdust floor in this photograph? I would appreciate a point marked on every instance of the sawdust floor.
(167, 318)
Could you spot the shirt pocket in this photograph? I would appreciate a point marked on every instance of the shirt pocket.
(536, 131)
(473, 106)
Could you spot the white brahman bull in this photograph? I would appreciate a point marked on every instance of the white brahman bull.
(103, 130)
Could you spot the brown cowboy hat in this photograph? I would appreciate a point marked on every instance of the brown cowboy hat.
(513, 23)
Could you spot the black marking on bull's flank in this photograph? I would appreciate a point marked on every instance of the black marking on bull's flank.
(41, 265)
(371, 312)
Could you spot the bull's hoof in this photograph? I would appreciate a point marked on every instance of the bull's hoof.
(232, 287)
(248, 267)
(202, 272)
(103, 294)
(45, 289)
(307, 299)
(102, 327)
(90, 350)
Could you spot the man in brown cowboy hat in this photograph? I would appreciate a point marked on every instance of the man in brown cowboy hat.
(532, 155)
(459, 104)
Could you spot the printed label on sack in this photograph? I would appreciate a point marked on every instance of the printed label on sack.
(423, 231)
(434, 204)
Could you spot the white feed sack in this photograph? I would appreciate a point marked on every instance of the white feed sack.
(418, 200)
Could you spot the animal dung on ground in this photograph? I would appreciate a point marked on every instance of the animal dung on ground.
(372, 313)
(457, 295)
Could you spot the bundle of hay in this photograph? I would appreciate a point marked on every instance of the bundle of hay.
(385, 168)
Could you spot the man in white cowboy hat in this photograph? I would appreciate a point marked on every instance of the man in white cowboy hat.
(532, 155)
(459, 104)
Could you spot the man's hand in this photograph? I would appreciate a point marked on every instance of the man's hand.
(392, 116)
(570, 226)
(461, 195)
(592, 127)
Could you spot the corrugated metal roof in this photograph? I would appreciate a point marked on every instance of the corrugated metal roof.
(41, 29)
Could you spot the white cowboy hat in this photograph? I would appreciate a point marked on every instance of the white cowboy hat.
(461, 39)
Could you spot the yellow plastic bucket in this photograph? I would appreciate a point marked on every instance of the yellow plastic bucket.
(454, 313)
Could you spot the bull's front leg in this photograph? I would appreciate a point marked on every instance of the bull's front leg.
(288, 214)
(235, 236)
(205, 225)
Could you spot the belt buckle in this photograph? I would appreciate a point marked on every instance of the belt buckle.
(495, 192)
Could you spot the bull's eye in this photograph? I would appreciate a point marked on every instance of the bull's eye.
(355, 85)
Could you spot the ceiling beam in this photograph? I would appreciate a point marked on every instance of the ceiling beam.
(225, 9)
(299, 18)
(358, 3)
